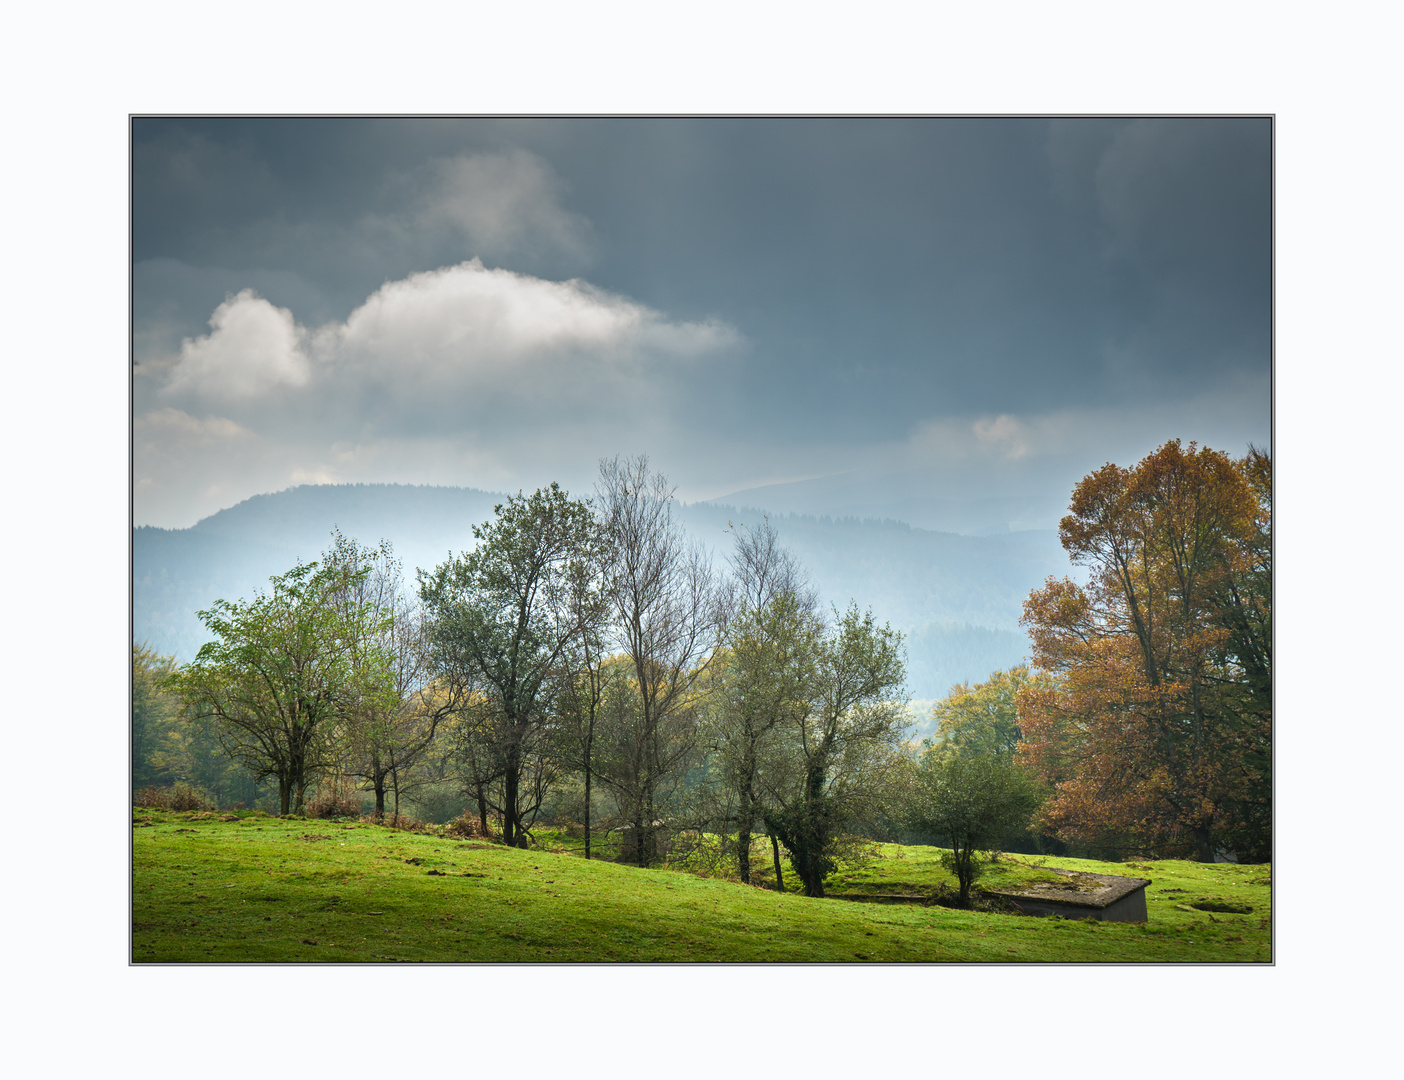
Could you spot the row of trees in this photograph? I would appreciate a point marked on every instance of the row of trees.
(581, 637)
(589, 643)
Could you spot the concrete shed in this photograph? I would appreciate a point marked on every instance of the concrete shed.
(1104, 897)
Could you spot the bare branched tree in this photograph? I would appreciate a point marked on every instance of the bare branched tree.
(667, 610)
(762, 570)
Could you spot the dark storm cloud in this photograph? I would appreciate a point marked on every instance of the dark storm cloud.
(887, 278)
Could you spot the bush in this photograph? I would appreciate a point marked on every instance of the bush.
(466, 824)
(178, 796)
(189, 797)
(335, 799)
(405, 823)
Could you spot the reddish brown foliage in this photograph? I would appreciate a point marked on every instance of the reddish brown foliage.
(1161, 726)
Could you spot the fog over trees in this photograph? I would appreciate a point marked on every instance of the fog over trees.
(956, 599)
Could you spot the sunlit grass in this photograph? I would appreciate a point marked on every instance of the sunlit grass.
(265, 889)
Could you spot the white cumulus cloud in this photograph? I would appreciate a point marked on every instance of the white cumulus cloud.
(253, 348)
(463, 374)
(466, 327)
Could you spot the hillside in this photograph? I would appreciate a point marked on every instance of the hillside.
(246, 887)
(957, 598)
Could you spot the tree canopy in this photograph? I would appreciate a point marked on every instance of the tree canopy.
(983, 719)
(975, 802)
(286, 673)
(503, 618)
(838, 743)
(1159, 732)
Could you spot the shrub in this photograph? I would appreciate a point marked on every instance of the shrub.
(335, 799)
(189, 797)
(179, 796)
(405, 823)
(465, 824)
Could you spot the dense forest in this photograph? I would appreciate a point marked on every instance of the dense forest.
(593, 663)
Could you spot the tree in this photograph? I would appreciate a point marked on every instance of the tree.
(667, 611)
(397, 729)
(503, 618)
(841, 747)
(588, 679)
(154, 714)
(763, 679)
(973, 802)
(1160, 730)
(286, 673)
(983, 719)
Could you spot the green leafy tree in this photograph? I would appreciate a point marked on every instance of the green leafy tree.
(974, 803)
(760, 692)
(395, 731)
(286, 675)
(502, 619)
(154, 716)
(983, 719)
(840, 750)
(762, 682)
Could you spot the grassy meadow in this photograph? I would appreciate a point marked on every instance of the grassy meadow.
(229, 887)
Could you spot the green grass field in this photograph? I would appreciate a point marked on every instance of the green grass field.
(246, 887)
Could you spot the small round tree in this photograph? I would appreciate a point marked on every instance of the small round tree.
(974, 803)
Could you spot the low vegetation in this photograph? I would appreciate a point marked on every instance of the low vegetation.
(243, 886)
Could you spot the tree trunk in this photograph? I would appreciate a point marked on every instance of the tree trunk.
(284, 795)
(745, 822)
(1203, 844)
(647, 847)
(482, 809)
(587, 803)
(378, 784)
(512, 834)
(779, 877)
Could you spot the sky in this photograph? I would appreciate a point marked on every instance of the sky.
(948, 321)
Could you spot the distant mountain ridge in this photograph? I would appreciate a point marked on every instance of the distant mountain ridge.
(939, 504)
(957, 598)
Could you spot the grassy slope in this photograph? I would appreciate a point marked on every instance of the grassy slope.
(258, 888)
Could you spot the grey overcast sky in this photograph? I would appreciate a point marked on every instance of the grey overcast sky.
(911, 315)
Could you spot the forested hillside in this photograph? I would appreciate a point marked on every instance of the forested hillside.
(956, 598)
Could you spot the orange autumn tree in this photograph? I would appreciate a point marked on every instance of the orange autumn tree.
(1158, 733)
